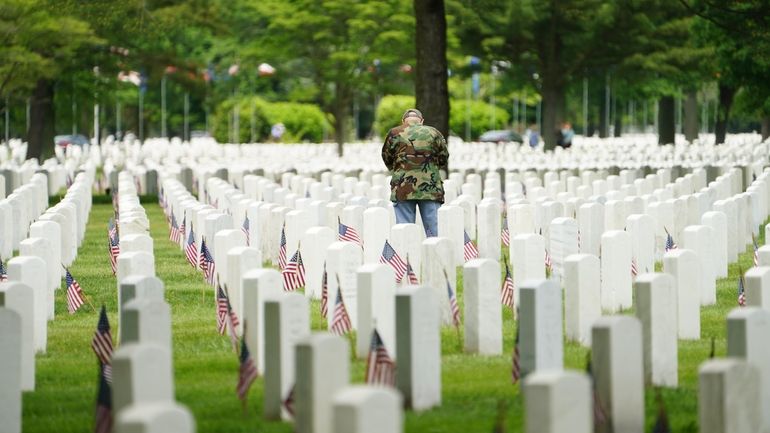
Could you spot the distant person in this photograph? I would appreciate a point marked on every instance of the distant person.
(415, 153)
(565, 134)
(534, 136)
(277, 131)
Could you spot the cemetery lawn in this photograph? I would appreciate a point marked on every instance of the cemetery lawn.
(206, 369)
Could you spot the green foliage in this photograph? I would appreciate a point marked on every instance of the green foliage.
(303, 122)
(389, 112)
(480, 115)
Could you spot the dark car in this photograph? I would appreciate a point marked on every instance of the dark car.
(500, 136)
(73, 139)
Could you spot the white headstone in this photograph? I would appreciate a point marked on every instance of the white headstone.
(368, 409)
(342, 261)
(10, 369)
(582, 296)
(240, 260)
(728, 397)
(682, 264)
(758, 287)
(376, 295)
(540, 319)
(747, 331)
(19, 297)
(699, 239)
(418, 343)
(141, 374)
(31, 271)
(718, 223)
(322, 364)
(656, 309)
(618, 372)
(437, 269)
(557, 402)
(259, 286)
(483, 318)
(616, 270)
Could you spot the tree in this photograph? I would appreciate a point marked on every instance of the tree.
(431, 91)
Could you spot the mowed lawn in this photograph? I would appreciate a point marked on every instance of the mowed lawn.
(477, 393)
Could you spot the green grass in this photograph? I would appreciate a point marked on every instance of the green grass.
(206, 369)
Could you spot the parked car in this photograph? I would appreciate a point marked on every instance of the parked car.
(72, 139)
(500, 136)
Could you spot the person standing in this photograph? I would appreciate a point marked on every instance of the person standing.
(415, 154)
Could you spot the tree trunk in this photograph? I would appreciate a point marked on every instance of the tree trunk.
(431, 91)
(618, 122)
(726, 94)
(553, 111)
(604, 127)
(765, 127)
(41, 122)
(691, 116)
(666, 120)
(341, 111)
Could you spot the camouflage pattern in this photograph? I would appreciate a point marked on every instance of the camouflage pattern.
(414, 154)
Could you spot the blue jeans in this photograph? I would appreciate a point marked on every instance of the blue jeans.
(406, 213)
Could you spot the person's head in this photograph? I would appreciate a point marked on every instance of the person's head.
(412, 116)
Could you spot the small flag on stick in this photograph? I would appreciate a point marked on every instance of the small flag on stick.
(74, 293)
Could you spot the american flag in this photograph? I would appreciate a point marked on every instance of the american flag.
(325, 293)
(506, 234)
(341, 324)
(347, 233)
(282, 249)
(245, 228)
(173, 231)
(3, 273)
(113, 243)
(380, 368)
(232, 321)
(634, 267)
(548, 261)
(102, 343)
(74, 293)
(248, 372)
(103, 419)
(506, 295)
(410, 275)
(294, 273)
(288, 402)
(661, 423)
(180, 235)
(670, 245)
(741, 290)
(390, 257)
(756, 249)
(470, 250)
(453, 307)
(207, 263)
(516, 369)
(222, 308)
(190, 249)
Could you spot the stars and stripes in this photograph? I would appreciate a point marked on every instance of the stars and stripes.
(207, 263)
(181, 231)
(341, 324)
(325, 293)
(222, 309)
(102, 344)
(741, 290)
(3, 273)
(453, 307)
(670, 244)
(190, 249)
(505, 234)
(516, 367)
(245, 229)
(103, 418)
(469, 249)
(247, 373)
(380, 368)
(506, 294)
(347, 234)
(634, 267)
(173, 232)
(548, 261)
(74, 293)
(756, 249)
(282, 249)
(294, 273)
(410, 274)
(113, 244)
(390, 257)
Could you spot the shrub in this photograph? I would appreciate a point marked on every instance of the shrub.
(481, 118)
(389, 112)
(303, 122)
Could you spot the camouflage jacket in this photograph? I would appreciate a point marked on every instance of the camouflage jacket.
(414, 154)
